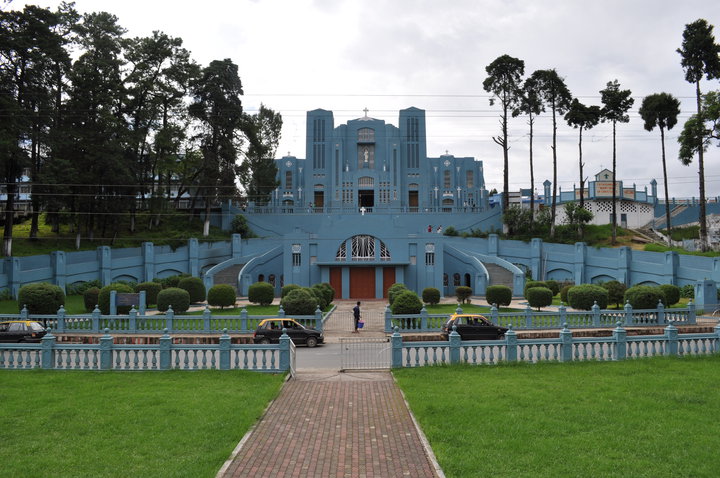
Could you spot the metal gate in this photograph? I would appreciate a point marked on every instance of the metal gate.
(365, 353)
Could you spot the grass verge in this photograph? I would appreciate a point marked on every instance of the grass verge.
(640, 418)
(119, 424)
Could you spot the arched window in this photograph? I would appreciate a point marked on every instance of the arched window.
(445, 280)
(366, 135)
(271, 279)
(467, 280)
(362, 249)
(456, 280)
(261, 278)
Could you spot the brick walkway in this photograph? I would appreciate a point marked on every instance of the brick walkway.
(334, 425)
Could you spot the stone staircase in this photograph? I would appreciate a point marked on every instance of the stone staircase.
(229, 276)
(499, 275)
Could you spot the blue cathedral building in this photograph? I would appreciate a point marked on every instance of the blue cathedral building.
(366, 208)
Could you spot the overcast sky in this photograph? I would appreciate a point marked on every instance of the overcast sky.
(345, 55)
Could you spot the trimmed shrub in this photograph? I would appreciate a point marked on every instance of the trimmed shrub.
(406, 302)
(554, 286)
(539, 297)
(221, 295)
(152, 289)
(394, 291)
(500, 295)
(583, 296)
(299, 302)
(319, 291)
(90, 298)
(41, 298)
(564, 293)
(171, 281)
(326, 291)
(80, 288)
(616, 291)
(672, 294)
(644, 296)
(176, 297)
(240, 226)
(104, 297)
(261, 293)
(331, 291)
(195, 287)
(463, 293)
(687, 291)
(533, 283)
(287, 288)
(430, 295)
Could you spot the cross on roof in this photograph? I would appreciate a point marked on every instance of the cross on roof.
(366, 111)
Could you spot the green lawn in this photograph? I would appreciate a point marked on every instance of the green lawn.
(638, 418)
(120, 424)
(73, 305)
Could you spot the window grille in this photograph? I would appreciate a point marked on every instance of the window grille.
(429, 258)
(363, 248)
(341, 252)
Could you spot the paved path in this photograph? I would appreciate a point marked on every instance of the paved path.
(335, 425)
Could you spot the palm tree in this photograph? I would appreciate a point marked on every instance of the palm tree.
(553, 93)
(582, 117)
(503, 81)
(530, 105)
(700, 57)
(661, 110)
(616, 103)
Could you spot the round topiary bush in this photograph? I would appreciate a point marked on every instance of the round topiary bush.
(616, 291)
(554, 286)
(299, 302)
(672, 294)
(583, 296)
(327, 293)
(261, 293)
(406, 302)
(395, 290)
(533, 283)
(539, 297)
(152, 289)
(564, 293)
(90, 298)
(195, 287)
(430, 295)
(463, 293)
(41, 298)
(221, 295)
(176, 297)
(500, 295)
(287, 288)
(319, 291)
(330, 289)
(104, 297)
(644, 296)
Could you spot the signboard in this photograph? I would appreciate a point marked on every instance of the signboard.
(629, 193)
(586, 193)
(605, 189)
(127, 299)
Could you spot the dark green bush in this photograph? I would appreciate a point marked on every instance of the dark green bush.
(90, 298)
(500, 295)
(327, 293)
(688, 291)
(240, 226)
(406, 302)
(644, 296)
(221, 295)
(616, 291)
(331, 291)
(176, 297)
(287, 288)
(533, 283)
(152, 289)
(195, 287)
(672, 294)
(171, 281)
(539, 297)
(564, 293)
(450, 231)
(394, 291)
(104, 297)
(583, 296)
(430, 295)
(319, 291)
(80, 288)
(299, 302)
(41, 298)
(554, 286)
(463, 293)
(261, 293)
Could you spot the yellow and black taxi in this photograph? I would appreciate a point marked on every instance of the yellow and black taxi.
(21, 331)
(269, 331)
(473, 327)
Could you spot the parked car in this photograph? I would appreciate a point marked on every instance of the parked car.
(270, 330)
(473, 327)
(21, 331)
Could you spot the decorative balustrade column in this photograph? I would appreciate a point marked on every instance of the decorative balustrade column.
(620, 337)
(671, 339)
(60, 326)
(106, 350)
(566, 338)
(388, 320)
(396, 340)
(455, 343)
(284, 350)
(47, 348)
(165, 351)
(511, 344)
(224, 351)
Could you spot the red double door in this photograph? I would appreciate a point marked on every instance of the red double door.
(362, 281)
